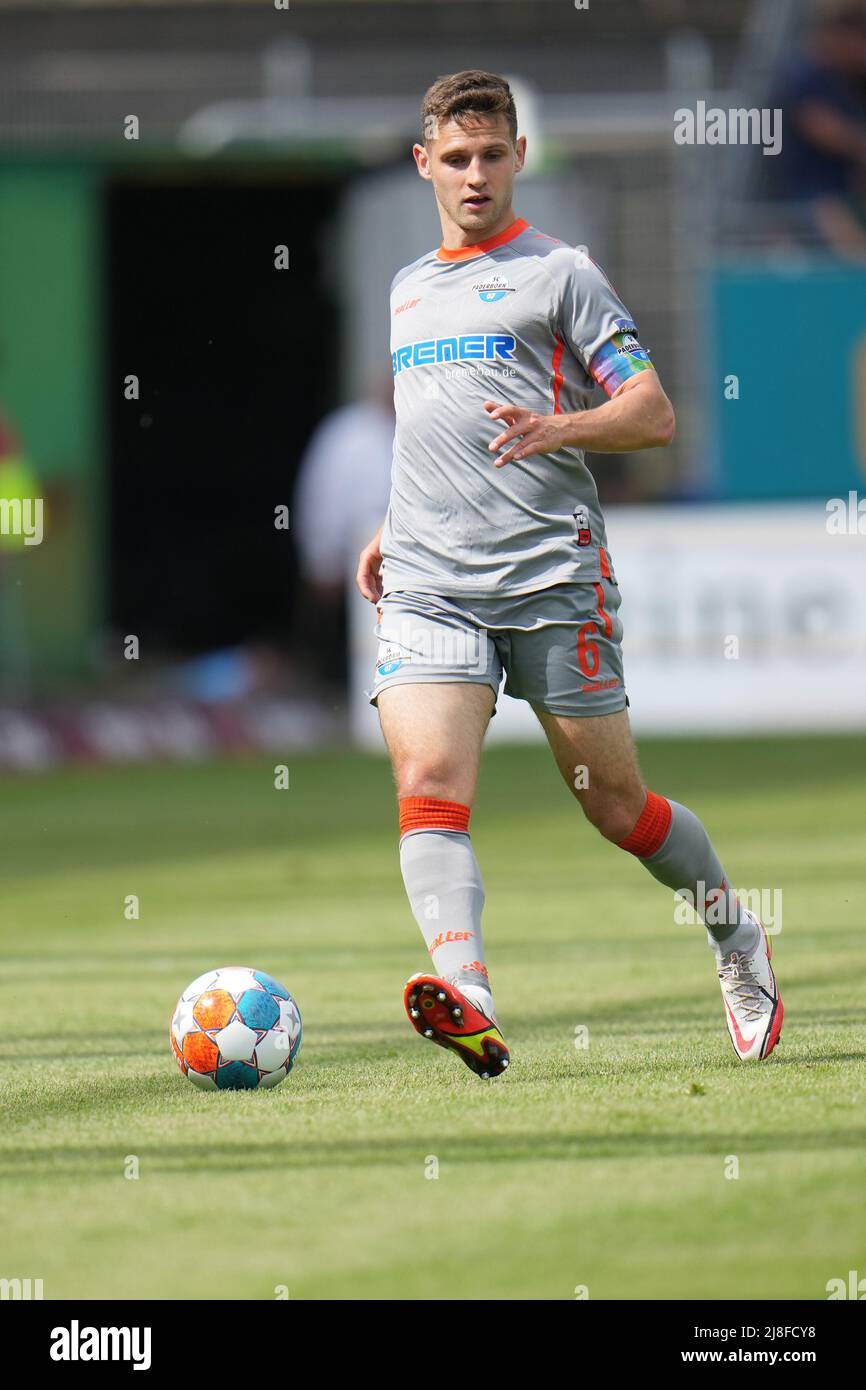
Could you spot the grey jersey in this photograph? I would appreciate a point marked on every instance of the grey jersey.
(519, 318)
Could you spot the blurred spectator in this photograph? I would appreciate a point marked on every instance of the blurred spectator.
(341, 498)
(227, 676)
(822, 93)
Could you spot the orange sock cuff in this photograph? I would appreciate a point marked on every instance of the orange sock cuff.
(428, 813)
(650, 829)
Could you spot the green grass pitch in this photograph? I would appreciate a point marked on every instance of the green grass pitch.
(602, 1167)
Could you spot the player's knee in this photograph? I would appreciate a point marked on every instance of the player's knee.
(613, 814)
(432, 778)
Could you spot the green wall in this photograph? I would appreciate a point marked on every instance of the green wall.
(50, 363)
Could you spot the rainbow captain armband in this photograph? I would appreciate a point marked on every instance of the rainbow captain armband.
(618, 359)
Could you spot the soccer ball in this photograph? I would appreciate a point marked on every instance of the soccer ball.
(234, 1029)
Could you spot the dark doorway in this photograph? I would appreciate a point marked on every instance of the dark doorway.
(236, 365)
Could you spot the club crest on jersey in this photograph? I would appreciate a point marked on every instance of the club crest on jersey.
(494, 289)
(468, 347)
(581, 521)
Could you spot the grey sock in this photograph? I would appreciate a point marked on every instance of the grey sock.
(443, 884)
(688, 863)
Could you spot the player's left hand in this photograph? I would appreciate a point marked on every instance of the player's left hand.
(533, 434)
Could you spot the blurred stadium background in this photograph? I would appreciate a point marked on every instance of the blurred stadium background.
(166, 389)
(149, 253)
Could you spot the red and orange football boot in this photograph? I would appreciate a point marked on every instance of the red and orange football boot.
(438, 1011)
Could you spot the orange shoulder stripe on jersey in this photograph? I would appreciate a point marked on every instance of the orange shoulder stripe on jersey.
(465, 253)
(603, 562)
(557, 375)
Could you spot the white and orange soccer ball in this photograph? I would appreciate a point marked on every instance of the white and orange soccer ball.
(235, 1029)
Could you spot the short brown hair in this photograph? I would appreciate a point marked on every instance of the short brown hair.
(463, 94)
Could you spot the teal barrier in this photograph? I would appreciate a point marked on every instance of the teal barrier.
(786, 380)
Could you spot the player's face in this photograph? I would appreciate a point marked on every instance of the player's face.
(472, 168)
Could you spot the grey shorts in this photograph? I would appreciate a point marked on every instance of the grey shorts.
(559, 649)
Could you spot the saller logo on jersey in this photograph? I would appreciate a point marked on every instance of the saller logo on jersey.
(469, 347)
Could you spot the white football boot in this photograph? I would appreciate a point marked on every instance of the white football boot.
(753, 1004)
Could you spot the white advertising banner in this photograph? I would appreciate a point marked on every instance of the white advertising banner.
(736, 619)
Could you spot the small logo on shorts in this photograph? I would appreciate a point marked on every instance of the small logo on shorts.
(389, 661)
(581, 521)
(590, 687)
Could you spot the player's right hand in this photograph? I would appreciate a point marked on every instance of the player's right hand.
(369, 576)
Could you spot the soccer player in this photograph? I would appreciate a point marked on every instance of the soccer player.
(493, 559)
